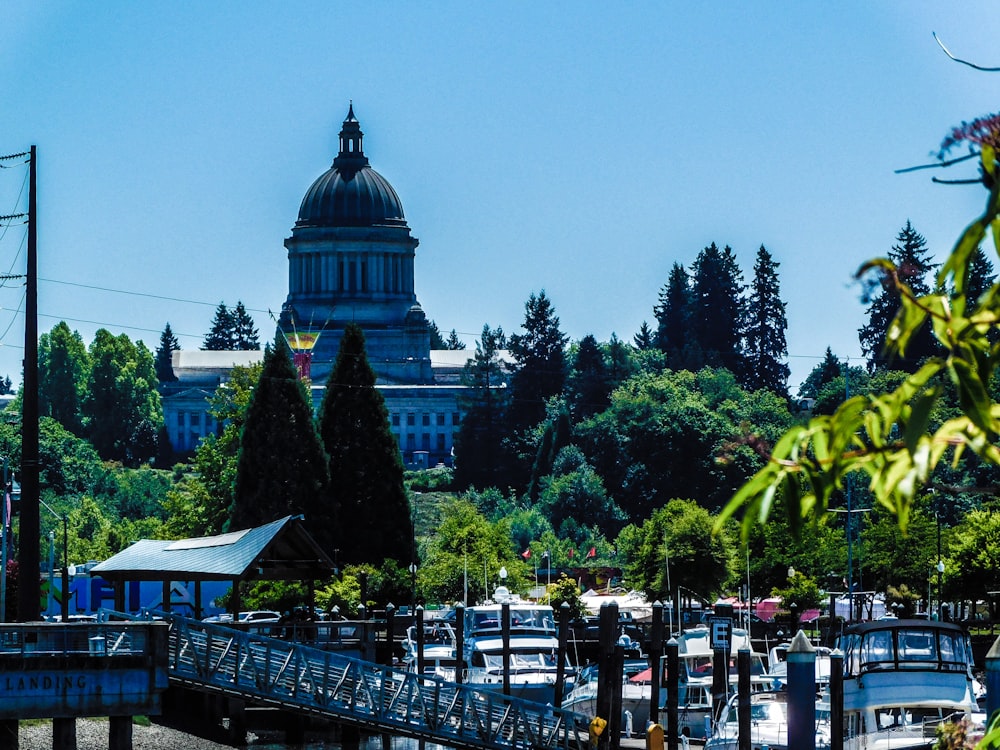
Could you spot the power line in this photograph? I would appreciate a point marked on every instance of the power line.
(141, 294)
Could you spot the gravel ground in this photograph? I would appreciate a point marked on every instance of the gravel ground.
(92, 734)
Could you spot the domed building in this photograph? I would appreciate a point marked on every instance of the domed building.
(350, 258)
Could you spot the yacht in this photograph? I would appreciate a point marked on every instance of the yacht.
(697, 662)
(901, 679)
(768, 724)
(440, 649)
(534, 647)
(636, 677)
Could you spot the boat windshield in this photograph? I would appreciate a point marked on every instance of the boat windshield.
(521, 618)
(907, 648)
(702, 666)
(518, 660)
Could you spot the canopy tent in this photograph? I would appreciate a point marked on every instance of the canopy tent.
(281, 550)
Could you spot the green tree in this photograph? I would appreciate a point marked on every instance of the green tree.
(981, 276)
(766, 350)
(282, 469)
(437, 340)
(575, 492)
(541, 362)
(972, 561)
(681, 532)
(588, 387)
(565, 589)
(63, 369)
(454, 342)
(480, 457)
(644, 339)
(823, 373)
(365, 465)
(800, 590)
(163, 361)
(122, 407)
(673, 313)
(244, 333)
(216, 456)
(909, 264)
(717, 308)
(221, 336)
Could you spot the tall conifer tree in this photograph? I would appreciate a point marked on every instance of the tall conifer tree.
(717, 309)
(541, 362)
(588, 385)
(479, 451)
(63, 370)
(913, 263)
(765, 347)
(164, 362)
(220, 336)
(825, 372)
(282, 469)
(366, 469)
(244, 332)
(673, 313)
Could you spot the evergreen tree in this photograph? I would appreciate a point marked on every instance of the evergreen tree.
(122, 407)
(825, 372)
(717, 309)
(454, 342)
(479, 453)
(541, 362)
(437, 340)
(912, 260)
(163, 363)
(644, 339)
(244, 333)
(220, 337)
(673, 312)
(63, 369)
(765, 345)
(282, 469)
(980, 278)
(620, 360)
(6, 385)
(366, 469)
(588, 385)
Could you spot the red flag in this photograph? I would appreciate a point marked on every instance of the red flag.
(570, 554)
(526, 554)
(592, 553)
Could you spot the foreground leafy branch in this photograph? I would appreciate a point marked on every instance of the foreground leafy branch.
(888, 438)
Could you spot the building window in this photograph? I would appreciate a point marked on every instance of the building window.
(440, 420)
(425, 441)
(395, 420)
(411, 419)
(440, 442)
(455, 418)
(411, 442)
(180, 419)
(426, 420)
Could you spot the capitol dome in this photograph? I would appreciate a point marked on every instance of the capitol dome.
(351, 193)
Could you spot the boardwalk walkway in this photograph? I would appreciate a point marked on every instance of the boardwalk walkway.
(294, 677)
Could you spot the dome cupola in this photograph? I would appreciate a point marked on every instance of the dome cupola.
(351, 193)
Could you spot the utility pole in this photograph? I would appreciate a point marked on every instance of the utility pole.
(28, 554)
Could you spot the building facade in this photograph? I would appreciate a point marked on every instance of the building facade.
(350, 259)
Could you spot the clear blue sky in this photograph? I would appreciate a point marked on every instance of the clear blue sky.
(580, 147)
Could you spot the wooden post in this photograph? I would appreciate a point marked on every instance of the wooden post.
(743, 688)
(837, 700)
(64, 734)
(459, 642)
(505, 641)
(120, 733)
(655, 651)
(720, 685)
(237, 722)
(801, 694)
(8, 734)
(673, 681)
(607, 630)
(419, 623)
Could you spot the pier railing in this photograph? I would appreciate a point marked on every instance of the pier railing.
(292, 676)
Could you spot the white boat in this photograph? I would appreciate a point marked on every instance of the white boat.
(694, 694)
(777, 666)
(534, 645)
(768, 724)
(439, 650)
(901, 679)
(636, 677)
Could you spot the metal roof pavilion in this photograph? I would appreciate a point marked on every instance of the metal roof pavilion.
(280, 550)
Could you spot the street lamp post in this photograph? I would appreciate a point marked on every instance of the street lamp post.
(940, 572)
(413, 587)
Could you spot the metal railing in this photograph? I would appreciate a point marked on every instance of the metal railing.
(298, 677)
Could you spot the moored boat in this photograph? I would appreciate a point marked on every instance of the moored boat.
(902, 678)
